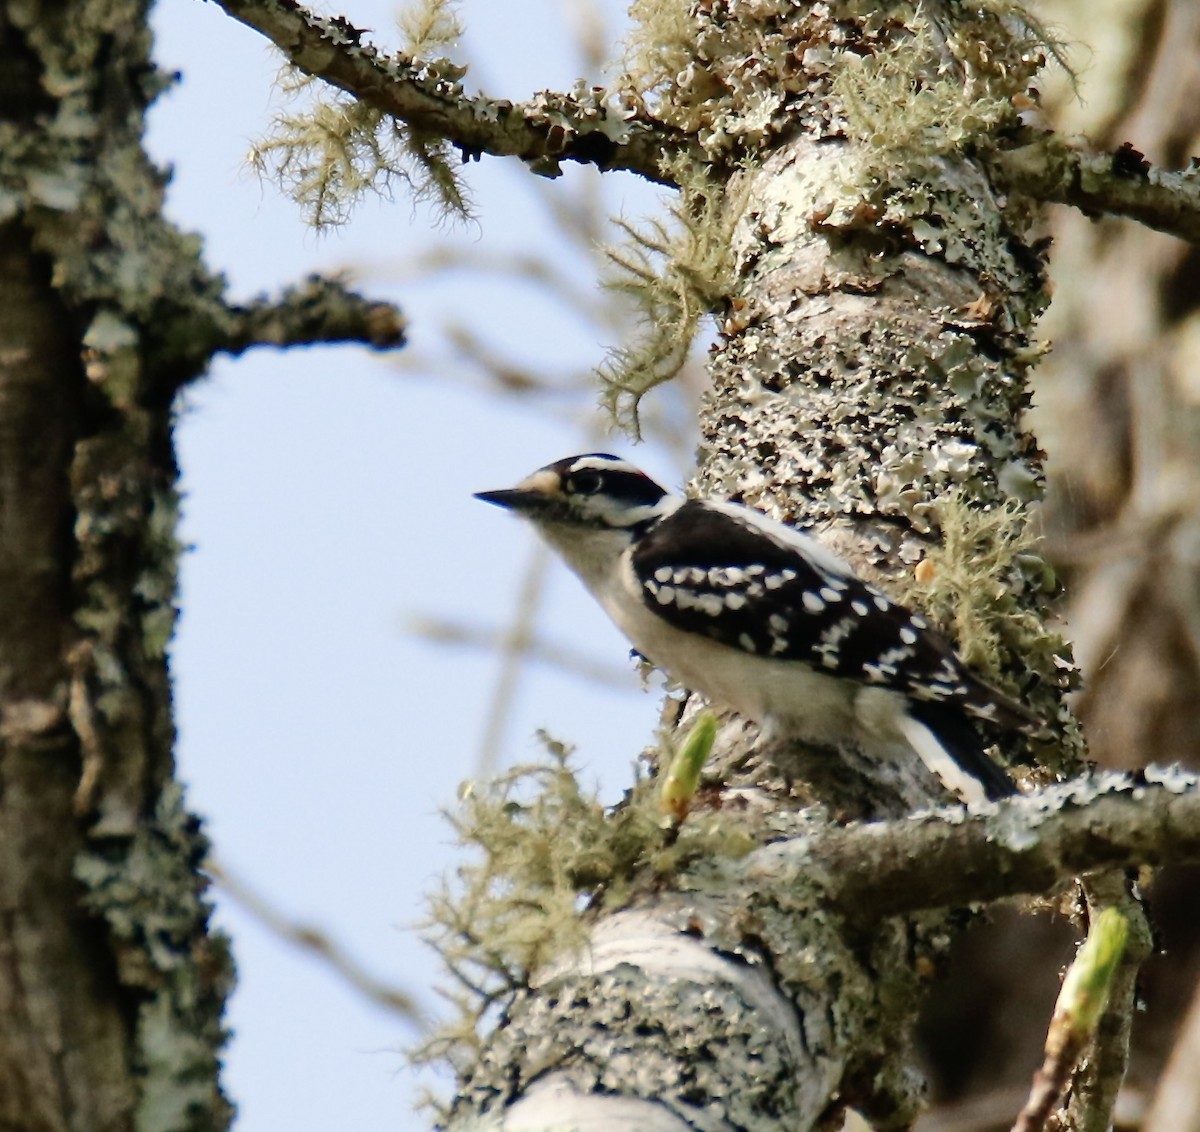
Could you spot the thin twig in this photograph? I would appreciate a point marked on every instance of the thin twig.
(518, 638)
(320, 310)
(443, 631)
(1099, 1077)
(317, 942)
(535, 269)
(1083, 1014)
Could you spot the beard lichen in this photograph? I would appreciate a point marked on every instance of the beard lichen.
(673, 274)
(547, 859)
(429, 26)
(332, 153)
(975, 577)
(894, 111)
(330, 156)
(975, 584)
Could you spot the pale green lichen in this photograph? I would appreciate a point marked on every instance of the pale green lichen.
(157, 586)
(976, 577)
(896, 112)
(673, 274)
(330, 155)
(661, 45)
(542, 841)
(724, 79)
(549, 856)
(947, 89)
(429, 26)
(1028, 35)
(976, 584)
(729, 76)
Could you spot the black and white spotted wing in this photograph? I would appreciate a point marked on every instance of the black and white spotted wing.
(767, 596)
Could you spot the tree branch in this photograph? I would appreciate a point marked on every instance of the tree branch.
(1099, 1076)
(448, 631)
(319, 943)
(426, 94)
(194, 324)
(1122, 183)
(319, 310)
(947, 857)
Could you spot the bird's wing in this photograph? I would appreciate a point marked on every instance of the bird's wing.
(705, 570)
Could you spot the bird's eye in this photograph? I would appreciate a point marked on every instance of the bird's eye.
(585, 483)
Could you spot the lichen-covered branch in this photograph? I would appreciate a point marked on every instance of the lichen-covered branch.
(1023, 845)
(318, 311)
(427, 94)
(765, 910)
(1122, 183)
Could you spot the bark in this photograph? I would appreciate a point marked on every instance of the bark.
(111, 986)
(111, 982)
(1122, 182)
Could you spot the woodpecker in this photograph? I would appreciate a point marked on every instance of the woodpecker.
(765, 620)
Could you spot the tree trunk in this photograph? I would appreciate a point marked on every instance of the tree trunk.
(112, 987)
(870, 373)
(111, 984)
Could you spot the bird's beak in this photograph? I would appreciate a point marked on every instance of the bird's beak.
(521, 500)
(538, 496)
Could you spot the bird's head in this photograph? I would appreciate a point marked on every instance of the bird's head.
(594, 492)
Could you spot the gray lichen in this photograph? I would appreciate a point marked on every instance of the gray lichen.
(150, 893)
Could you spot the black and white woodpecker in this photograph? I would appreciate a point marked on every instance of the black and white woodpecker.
(765, 620)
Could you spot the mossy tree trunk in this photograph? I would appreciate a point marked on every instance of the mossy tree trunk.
(869, 380)
(112, 986)
(111, 981)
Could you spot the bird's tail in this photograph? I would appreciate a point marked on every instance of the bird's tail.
(950, 746)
